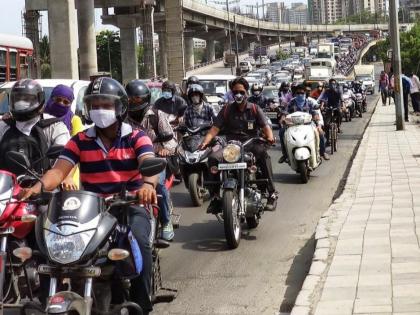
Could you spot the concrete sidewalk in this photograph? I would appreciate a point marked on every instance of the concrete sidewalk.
(367, 258)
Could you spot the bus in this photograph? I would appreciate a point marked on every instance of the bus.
(15, 57)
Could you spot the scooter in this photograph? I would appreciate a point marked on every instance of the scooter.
(359, 104)
(302, 144)
(348, 107)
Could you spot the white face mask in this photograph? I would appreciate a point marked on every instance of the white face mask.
(25, 127)
(103, 118)
(21, 105)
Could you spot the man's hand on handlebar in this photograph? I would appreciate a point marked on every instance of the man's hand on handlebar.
(27, 193)
(147, 194)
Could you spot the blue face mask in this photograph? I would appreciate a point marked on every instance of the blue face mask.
(167, 95)
(300, 99)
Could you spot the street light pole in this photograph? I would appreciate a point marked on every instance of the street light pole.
(109, 58)
(259, 33)
(396, 63)
(237, 45)
(230, 37)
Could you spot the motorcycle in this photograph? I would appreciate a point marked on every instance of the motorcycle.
(359, 104)
(83, 238)
(18, 278)
(193, 162)
(242, 197)
(302, 144)
(348, 107)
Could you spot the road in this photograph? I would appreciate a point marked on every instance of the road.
(263, 275)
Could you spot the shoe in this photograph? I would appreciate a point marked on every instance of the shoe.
(339, 130)
(272, 202)
(326, 156)
(215, 206)
(168, 232)
(283, 159)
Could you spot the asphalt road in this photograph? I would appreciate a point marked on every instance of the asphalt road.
(263, 275)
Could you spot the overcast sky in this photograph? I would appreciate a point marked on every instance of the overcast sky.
(11, 22)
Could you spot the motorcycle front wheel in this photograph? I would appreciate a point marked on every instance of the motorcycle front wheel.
(195, 190)
(303, 171)
(231, 219)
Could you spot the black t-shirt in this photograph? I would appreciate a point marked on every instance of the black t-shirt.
(174, 106)
(237, 125)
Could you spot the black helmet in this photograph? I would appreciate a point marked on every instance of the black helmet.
(168, 85)
(256, 87)
(137, 89)
(192, 80)
(284, 85)
(195, 88)
(107, 88)
(27, 99)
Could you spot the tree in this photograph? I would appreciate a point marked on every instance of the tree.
(365, 17)
(44, 54)
(109, 53)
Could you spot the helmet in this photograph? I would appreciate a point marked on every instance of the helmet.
(168, 85)
(27, 99)
(195, 88)
(138, 89)
(109, 89)
(192, 80)
(284, 85)
(256, 87)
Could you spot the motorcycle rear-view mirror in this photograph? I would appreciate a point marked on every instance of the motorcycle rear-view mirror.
(18, 159)
(54, 151)
(152, 166)
(164, 138)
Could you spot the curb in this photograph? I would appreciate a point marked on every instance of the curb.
(328, 230)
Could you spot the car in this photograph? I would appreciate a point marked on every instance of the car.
(263, 61)
(245, 66)
(251, 60)
(266, 72)
(251, 81)
(259, 76)
(79, 88)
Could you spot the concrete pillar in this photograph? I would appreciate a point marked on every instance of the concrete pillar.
(210, 50)
(87, 38)
(189, 53)
(163, 54)
(175, 40)
(128, 53)
(149, 50)
(32, 32)
(62, 27)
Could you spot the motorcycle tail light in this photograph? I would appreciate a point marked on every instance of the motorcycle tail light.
(214, 170)
(23, 253)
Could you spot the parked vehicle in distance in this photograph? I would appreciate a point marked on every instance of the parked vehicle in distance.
(245, 66)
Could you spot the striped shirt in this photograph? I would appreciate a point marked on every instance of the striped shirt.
(105, 172)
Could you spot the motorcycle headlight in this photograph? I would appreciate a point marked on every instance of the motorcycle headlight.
(66, 249)
(232, 153)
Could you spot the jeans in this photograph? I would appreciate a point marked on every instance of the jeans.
(321, 144)
(405, 104)
(141, 225)
(415, 101)
(384, 95)
(282, 145)
(164, 202)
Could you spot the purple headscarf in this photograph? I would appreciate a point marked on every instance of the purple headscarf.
(58, 110)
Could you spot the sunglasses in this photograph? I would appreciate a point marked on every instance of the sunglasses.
(239, 92)
(62, 100)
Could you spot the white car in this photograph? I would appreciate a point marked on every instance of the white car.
(245, 66)
(79, 88)
(263, 61)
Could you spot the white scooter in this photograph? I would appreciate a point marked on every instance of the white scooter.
(302, 144)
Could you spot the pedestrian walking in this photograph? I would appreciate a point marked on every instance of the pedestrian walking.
(383, 86)
(415, 93)
(406, 87)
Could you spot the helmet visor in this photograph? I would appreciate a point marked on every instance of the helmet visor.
(23, 102)
(136, 103)
(100, 101)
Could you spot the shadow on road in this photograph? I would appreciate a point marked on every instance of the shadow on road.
(296, 275)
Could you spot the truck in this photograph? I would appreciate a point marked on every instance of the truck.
(366, 74)
(322, 69)
(229, 59)
(260, 51)
(301, 40)
(325, 50)
(301, 51)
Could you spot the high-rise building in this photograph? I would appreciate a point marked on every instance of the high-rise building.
(298, 14)
(275, 12)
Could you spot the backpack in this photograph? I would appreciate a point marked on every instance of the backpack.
(34, 146)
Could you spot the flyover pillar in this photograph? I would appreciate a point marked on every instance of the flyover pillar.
(175, 40)
(63, 42)
(163, 55)
(128, 50)
(87, 38)
(32, 32)
(189, 53)
(149, 50)
(210, 50)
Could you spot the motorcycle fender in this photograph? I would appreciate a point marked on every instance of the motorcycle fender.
(63, 302)
(229, 183)
(302, 154)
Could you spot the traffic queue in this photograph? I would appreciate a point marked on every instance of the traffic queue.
(86, 205)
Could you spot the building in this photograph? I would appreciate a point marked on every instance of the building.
(298, 14)
(275, 12)
(410, 9)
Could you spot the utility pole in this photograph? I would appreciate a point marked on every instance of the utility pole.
(396, 63)
(278, 31)
(238, 69)
(259, 33)
(290, 37)
(230, 37)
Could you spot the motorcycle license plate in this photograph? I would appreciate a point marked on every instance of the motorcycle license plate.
(232, 166)
(271, 114)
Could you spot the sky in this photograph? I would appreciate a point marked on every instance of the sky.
(11, 21)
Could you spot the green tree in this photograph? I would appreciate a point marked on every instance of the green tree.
(109, 53)
(364, 17)
(282, 55)
(44, 53)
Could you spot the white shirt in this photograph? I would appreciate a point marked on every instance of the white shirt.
(415, 84)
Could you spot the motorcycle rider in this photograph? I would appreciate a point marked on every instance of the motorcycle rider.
(190, 81)
(171, 104)
(257, 97)
(358, 88)
(285, 95)
(199, 112)
(332, 95)
(154, 123)
(316, 92)
(29, 130)
(240, 121)
(96, 150)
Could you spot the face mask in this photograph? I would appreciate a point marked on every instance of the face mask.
(102, 118)
(167, 95)
(239, 98)
(196, 100)
(332, 86)
(137, 115)
(256, 93)
(59, 109)
(345, 89)
(25, 127)
(300, 99)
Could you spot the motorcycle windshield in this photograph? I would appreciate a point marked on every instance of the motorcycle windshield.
(6, 189)
(192, 142)
(78, 206)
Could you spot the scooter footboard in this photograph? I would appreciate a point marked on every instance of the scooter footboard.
(65, 301)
